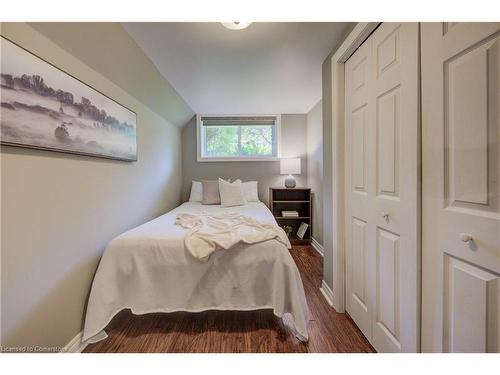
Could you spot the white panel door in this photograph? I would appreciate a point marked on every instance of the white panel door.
(461, 187)
(382, 149)
(358, 187)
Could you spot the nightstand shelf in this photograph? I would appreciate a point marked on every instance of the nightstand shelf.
(296, 199)
(292, 218)
(290, 202)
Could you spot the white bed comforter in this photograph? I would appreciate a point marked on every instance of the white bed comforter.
(148, 269)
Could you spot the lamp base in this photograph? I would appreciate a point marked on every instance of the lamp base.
(290, 182)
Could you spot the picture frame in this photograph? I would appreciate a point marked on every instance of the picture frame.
(43, 107)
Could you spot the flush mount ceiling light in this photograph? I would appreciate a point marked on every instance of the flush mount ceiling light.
(236, 25)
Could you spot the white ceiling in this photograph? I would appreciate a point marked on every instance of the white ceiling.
(266, 68)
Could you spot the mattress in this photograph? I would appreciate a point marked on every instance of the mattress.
(148, 270)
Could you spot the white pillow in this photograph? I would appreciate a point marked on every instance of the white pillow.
(196, 192)
(231, 194)
(250, 191)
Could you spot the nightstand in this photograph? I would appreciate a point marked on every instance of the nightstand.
(296, 199)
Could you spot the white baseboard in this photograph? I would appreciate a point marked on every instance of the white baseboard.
(327, 292)
(317, 246)
(75, 345)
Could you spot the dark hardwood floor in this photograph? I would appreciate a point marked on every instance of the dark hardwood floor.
(239, 332)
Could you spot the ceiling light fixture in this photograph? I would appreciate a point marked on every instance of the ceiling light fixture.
(236, 25)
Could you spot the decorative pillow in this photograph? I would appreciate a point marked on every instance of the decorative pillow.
(231, 193)
(196, 192)
(210, 194)
(250, 191)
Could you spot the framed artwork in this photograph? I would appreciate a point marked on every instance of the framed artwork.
(46, 108)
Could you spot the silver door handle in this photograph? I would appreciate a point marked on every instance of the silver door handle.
(465, 237)
(385, 215)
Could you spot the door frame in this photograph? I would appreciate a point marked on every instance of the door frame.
(358, 35)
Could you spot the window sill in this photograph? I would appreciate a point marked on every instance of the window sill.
(238, 159)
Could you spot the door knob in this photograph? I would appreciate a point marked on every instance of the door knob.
(465, 237)
(385, 215)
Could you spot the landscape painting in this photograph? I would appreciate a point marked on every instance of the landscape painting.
(43, 107)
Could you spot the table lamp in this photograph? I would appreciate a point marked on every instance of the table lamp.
(290, 166)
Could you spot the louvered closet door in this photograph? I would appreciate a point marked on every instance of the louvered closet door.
(461, 187)
(382, 142)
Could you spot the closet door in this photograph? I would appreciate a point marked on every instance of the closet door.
(382, 143)
(461, 187)
(359, 187)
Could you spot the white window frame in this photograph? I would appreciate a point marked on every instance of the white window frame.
(200, 143)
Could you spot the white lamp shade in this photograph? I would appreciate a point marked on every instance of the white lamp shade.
(290, 166)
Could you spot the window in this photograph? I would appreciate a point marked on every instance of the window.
(226, 138)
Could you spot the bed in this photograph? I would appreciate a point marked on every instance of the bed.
(148, 270)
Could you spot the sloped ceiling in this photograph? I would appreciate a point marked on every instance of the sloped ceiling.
(108, 49)
(266, 68)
